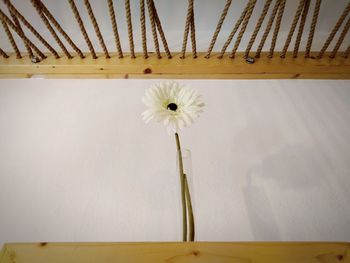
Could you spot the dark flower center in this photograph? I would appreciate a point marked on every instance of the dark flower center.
(172, 106)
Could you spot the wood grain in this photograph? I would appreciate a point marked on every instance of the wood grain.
(189, 68)
(176, 252)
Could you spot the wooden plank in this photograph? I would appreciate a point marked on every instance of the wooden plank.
(249, 252)
(200, 67)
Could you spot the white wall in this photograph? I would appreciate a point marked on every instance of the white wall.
(270, 160)
(173, 15)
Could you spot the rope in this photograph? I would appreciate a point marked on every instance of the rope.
(193, 36)
(292, 28)
(277, 27)
(347, 52)
(18, 25)
(49, 27)
(312, 28)
(153, 25)
(82, 28)
(234, 30)
(143, 28)
(160, 30)
(218, 28)
(301, 27)
(2, 53)
(243, 28)
(335, 30)
(128, 19)
(11, 39)
(268, 28)
(59, 28)
(7, 20)
(187, 27)
(115, 28)
(30, 27)
(97, 29)
(257, 27)
(341, 38)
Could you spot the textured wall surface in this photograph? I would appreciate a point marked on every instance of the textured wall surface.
(270, 161)
(173, 17)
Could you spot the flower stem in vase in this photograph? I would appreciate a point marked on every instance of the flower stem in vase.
(183, 196)
(190, 211)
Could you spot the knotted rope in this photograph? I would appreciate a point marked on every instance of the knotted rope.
(128, 19)
(234, 30)
(341, 38)
(115, 28)
(257, 27)
(143, 28)
(11, 39)
(268, 28)
(335, 30)
(301, 27)
(82, 28)
(277, 27)
(243, 28)
(96, 28)
(7, 20)
(312, 28)
(218, 27)
(292, 28)
(30, 27)
(37, 7)
(189, 23)
(2, 53)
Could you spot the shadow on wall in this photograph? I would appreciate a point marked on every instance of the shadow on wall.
(293, 167)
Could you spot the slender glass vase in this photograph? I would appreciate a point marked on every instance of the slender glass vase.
(189, 194)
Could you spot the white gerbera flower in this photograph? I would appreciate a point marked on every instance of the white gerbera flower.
(173, 104)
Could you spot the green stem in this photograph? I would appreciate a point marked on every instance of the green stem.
(182, 180)
(190, 211)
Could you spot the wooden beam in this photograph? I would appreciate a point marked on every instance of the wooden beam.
(260, 252)
(152, 67)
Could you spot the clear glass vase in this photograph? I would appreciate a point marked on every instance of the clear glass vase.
(190, 208)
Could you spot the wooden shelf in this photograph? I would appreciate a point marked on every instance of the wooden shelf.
(188, 68)
(242, 252)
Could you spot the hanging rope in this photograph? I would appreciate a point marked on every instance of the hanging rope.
(234, 30)
(341, 39)
(96, 28)
(154, 30)
(277, 28)
(268, 28)
(301, 28)
(312, 28)
(218, 28)
(143, 28)
(82, 28)
(115, 28)
(31, 28)
(7, 20)
(335, 30)
(128, 19)
(257, 27)
(193, 36)
(292, 28)
(160, 30)
(49, 27)
(2, 53)
(187, 27)
(59, 28)
(347, 52)
(11, 39)
(243, 28)
(18, 25)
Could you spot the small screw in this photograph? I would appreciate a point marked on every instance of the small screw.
(35, 59)
(250, 60)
